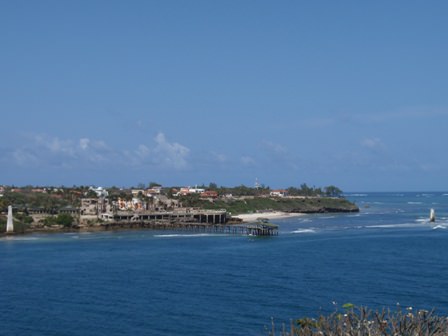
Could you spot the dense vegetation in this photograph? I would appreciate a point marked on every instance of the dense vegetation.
(303, 190)
(295, 205)
(65, 220)
(48, 200)
(364, 322)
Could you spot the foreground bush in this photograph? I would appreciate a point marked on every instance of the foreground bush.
(364, 322)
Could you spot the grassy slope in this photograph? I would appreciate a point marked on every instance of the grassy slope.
(298, 205)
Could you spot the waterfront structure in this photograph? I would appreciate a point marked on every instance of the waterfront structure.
(9, 223)
(279, 193)
(188, 215)
(262, 228)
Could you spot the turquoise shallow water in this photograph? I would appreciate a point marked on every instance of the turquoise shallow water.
(164, 283)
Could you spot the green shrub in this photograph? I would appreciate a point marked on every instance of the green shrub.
(361, 321)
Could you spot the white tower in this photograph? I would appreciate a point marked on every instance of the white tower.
(9, 223)
(432, 215)
(257, 184)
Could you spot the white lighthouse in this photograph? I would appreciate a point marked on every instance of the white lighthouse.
(9, 223)
(432, 215)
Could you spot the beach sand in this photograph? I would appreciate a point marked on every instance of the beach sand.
(270, 215)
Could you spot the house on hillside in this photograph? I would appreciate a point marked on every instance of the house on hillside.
(196, 190)
(136, 192)
(209, 194)
(154, 191)
(100, 191)
(188, 190)
(279, 193)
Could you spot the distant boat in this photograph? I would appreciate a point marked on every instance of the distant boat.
(432, 215)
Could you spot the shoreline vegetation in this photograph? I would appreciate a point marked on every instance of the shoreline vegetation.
(49, 209)
(363, 321)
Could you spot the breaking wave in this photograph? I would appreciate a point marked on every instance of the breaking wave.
(304, 231)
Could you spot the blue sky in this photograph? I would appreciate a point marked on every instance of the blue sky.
(350, 93)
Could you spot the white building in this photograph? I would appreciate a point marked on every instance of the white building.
(279, 193)
(100, 191)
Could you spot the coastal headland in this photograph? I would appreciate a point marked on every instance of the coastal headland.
(95, 209)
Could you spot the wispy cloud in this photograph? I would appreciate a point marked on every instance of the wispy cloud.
(23, 157)
(274, 148)
(247, 161)
(404, 113)
(170, 154)
(44, 150)
(219, 157)
(373, 144)
(409, 113)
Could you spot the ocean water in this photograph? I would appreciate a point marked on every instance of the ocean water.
(168, 283)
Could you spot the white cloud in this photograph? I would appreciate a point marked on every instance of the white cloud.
(219, 157)
(247, 160)
(274, 148)
(172, 155)
(143, 151)
(49, 151)
(84, 143)
(373, 143)
(23, 157)
(56, 145)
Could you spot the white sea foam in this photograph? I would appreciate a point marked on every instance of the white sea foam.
(184, 235)
(392, 226)
(357, 195)
(415, 203)
(441, 227)
(304, 231)
(20, 238)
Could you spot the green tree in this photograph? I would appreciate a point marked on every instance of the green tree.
(305, 190)
(90, 194)
(66, 220)
(153, 184)
(333, 191)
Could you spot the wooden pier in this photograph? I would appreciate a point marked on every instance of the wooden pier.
(202, 221)
(240, 229)
(262, 229)
(187, 216)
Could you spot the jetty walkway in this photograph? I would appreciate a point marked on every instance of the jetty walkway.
(253, 229)
(186, 216)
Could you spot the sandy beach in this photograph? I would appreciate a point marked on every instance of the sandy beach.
(252, 217)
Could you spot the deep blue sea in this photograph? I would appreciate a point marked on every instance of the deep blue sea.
(164, 283)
